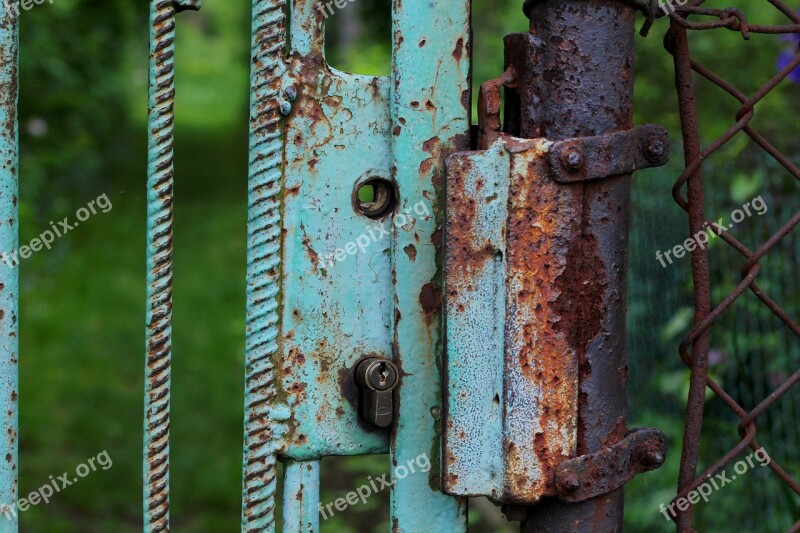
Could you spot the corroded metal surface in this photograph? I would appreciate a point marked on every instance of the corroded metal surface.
(301, 508)
(613, 154)
(430, 106)
(512, 368)
(507, 246)
(263, 267)
(322, 274)
(9, 277)
(581, 85)
(611, 468)
(474, 403)
(534, 269)
(331, 302)
(159, 260)
(336, 300)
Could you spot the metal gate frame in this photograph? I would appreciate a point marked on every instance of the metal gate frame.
(310, 123)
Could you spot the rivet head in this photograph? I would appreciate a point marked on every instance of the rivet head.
(286, 108)
(573, 159)
(291, 93)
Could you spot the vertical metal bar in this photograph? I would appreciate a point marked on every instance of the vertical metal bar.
(301, 497)
(430, 109)
(9, 277)
(700, 272)
(263, 265)
(584, 86)
(159, 265)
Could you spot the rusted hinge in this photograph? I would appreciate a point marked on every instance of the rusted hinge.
(613, 154)
(603, 472)
(515, 238)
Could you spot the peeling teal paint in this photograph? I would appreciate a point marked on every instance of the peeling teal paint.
(9, 277)
(301, 497)
(431, 74)
(339, 280)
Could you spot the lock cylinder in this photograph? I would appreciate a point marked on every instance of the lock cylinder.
(377, 378)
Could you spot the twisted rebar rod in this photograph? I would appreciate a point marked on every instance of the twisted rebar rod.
(159, 259)
(263, 265)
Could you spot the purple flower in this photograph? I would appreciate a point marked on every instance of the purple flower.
(787, 56)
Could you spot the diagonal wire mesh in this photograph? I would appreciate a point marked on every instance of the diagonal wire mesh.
(689, 192)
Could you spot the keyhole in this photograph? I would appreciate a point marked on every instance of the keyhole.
(384, 373)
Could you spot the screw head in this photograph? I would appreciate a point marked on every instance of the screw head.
(573, 159)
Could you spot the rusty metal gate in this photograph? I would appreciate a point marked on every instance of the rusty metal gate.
(427, 288)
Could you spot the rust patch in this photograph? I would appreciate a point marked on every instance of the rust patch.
(458, 52)
(410, 250)
(312, 255)
(433, 147)
(430, 298)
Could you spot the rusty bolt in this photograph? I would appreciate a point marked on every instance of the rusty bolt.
(654, 152)
(570, 482)
(572, 159)
(654, 458)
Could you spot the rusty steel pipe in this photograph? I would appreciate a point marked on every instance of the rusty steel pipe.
(582, 85)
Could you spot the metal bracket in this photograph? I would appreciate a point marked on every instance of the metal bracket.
(603, 472)
(613, 154)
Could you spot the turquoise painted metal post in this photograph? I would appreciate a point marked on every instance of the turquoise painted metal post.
(9, 276)
(301, 497)
(430, 106)
(263, 265)
(161, 115)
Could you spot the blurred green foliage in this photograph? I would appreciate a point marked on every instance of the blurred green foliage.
(82, 113)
